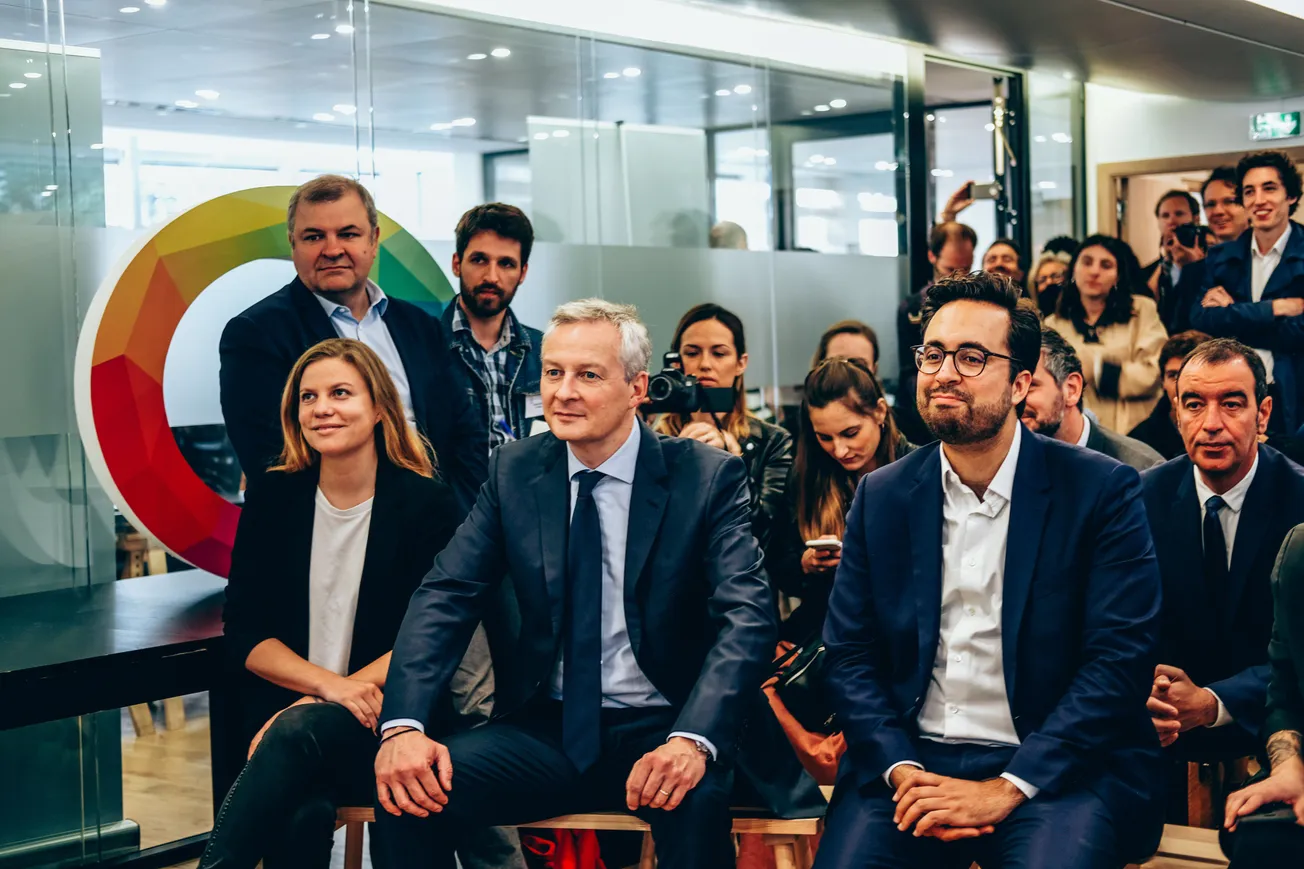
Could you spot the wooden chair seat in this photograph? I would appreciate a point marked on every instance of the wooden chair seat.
(789, 840)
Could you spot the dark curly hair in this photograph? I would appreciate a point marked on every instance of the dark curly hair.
(1024, 337)
(1290, 177)
(1118, 307)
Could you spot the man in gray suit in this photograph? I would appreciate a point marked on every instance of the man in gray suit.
(1054, 407)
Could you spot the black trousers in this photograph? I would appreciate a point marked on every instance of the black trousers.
(514, 771)
(281, 809)
(1261, 846)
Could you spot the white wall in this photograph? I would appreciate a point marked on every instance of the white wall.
(1126, 125)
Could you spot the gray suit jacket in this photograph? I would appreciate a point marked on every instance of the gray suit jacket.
(1129, 451)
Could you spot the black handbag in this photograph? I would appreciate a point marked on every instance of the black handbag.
(800, 687)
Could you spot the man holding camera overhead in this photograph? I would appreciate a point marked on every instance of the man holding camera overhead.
(628, 614)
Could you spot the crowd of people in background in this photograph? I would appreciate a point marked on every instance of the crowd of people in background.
(1036, 580)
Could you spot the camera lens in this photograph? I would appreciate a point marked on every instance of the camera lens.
(659, 388)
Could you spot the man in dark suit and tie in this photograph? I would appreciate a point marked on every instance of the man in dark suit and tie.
(334, 239)
(627, 610)
(993, 627)
(1218, 516)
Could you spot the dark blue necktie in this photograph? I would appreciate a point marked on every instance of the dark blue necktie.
(581, 690)
(1215, 553)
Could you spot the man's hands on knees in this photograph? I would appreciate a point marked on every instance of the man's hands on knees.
(662, 778)
(405, 780)
(950, 808)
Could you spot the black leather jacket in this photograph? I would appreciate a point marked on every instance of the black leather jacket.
(767, 452)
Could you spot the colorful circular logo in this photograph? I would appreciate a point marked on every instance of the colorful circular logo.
(118, 376)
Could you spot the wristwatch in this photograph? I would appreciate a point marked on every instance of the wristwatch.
(700, 746)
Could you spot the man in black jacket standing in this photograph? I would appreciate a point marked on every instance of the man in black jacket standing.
(627, 608)
(334, 239)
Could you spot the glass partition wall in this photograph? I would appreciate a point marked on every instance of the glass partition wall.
(114, 119)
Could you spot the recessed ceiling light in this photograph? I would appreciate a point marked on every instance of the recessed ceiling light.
(882, 165)
(344, 29)
(47, 193)
(821, 108)
(838, 104)
(323, 116)
(439, 128)
(344, 108)
(97, 146)
(723, 92)
(129, 10)
(1038, 138)
(186, 104)
(501, 52)
(991, 128)
(18, 85)
(560, 134)
(463, 122)
(476, 56)
(830, 161)
(807, 112)
(743, 89)
(156, 3)
(942, 173)
(611, 75)
(817, 158)
(540, 136)
(31, 75)
(321, 36)
(1047, 185)
(1062, 138)
(52, 187)
(631, 72)
(207, 94)
(930, 117)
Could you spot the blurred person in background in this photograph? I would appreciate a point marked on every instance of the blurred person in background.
(1116, 333)
(1004, 257)
(1175, 208)
(1049, 276)
(1223, 210)
(729, 235)
(1185, 247)
(1159, 429)
(850, 338)
(713, 348)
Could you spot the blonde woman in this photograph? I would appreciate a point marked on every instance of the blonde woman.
(330, 547)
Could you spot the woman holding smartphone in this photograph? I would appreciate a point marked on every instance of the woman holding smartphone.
(847, 431)
(330, 546)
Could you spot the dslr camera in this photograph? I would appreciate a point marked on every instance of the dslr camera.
(673, 391)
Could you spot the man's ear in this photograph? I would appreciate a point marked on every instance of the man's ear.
(1265, 413)
(1022, 383)
(457, 266)
(1073, 390)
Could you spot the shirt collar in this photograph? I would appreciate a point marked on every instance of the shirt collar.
(460, 324)
(375, 295)
(621, 463)
(1086, 430)
(1279, 247)
(1235, 496)
(1002, 485)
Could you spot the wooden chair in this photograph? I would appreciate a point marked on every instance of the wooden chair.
(788, 840)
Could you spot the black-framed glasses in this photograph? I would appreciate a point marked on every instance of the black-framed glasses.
(969, 361)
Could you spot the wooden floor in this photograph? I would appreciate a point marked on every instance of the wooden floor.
(166, 778)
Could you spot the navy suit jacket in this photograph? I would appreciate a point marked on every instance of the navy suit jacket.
(1237, 668)
(1079, 623)
(1229, 266)
(260, 346)
(698, 604)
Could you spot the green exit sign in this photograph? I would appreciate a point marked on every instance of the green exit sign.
(1274, 125)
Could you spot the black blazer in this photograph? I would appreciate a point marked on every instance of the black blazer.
(1237, 668)
(1286, 651)
(1079, 625)
(412, 519)
(697, 602)
(260, 346)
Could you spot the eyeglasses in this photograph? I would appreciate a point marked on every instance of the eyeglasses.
(969, 361)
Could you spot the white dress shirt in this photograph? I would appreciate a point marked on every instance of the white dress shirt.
(1229, 517)
(373, 332)
(339, 549)
(1262, 265)
(1086, 431)
(966, 700)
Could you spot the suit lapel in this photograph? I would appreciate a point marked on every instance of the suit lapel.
(552, 501)
(313, 315)
(1184, 532)
(926, 557)
(417, 369)
(1029, 508)
(1252, 527)
(647, 505)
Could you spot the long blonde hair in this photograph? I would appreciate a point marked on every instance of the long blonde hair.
(404, 447)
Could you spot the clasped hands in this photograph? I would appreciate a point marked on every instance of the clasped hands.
(1176, 704)
(712, 436)
(950, 809)
(414, 774)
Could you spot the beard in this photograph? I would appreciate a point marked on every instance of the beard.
(486, 300)
(1048, 426)
(970, 423)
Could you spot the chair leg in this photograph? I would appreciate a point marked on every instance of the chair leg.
(805, 856)
(174, 713)
(785, 851)
(353, 845)
(142, 720)
(647, 859)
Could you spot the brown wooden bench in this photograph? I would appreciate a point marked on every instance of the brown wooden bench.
(790, 841)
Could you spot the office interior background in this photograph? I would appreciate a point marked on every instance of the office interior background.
(832, 132)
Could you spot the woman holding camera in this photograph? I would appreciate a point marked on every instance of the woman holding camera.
(330, 546)
(712, 347)
(847, 431)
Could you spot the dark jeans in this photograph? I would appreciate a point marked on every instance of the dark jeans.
(514, 771)
(1068, 831)
(281, 809)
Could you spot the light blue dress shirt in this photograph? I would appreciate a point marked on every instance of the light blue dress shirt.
(623, 683)
(373, 332)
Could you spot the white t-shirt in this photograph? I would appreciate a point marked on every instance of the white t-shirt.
(339, 547)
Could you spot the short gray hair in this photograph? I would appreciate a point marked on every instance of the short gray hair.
(1061, 359)
(635, 343)
(330, 188)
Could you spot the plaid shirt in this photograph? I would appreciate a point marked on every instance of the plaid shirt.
(491, 367)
